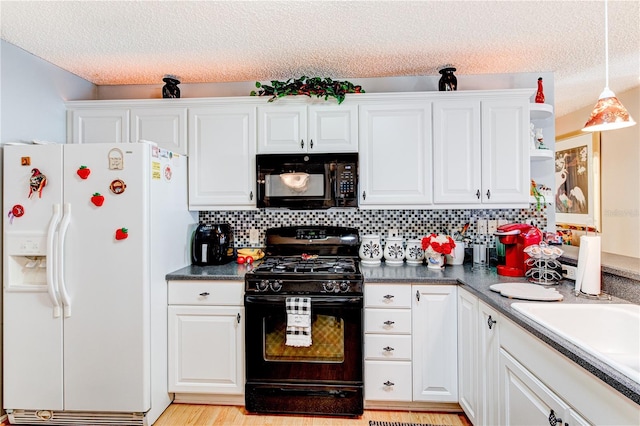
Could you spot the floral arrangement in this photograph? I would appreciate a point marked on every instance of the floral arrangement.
(441, 244)
(309, 86)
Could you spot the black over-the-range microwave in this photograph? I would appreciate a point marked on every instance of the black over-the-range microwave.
(307, 181)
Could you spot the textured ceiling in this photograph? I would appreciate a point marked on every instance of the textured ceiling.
(137, 42)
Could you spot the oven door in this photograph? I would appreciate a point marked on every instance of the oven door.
(335, 355)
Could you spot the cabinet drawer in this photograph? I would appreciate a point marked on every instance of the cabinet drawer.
(387, 295)
(206, 293)
(387, 321)
(387, 347)
(387, 381)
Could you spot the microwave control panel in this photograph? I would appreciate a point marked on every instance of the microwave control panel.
(346, 174)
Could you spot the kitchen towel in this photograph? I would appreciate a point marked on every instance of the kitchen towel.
(588, 275)
(298, 321)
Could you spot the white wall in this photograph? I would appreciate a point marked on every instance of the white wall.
(620, 176)
(33, 95)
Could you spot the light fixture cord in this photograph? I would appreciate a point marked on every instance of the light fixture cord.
(606, 42)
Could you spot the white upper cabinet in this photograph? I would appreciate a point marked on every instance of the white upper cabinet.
(395, 154)
(290, 127)
(166, 126)
(222, 147)
(98, 125)
(124, 122)
(481, 149)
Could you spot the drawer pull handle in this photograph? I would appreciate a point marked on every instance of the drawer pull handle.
(389, 322)
(490, 322)
(388, 349)
(204, 294)
(388, 383)
(388, 296)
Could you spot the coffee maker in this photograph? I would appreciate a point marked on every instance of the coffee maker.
(516, 237)
(212, 244)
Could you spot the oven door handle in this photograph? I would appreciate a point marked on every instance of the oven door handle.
(315, 300)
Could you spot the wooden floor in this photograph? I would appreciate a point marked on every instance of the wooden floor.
(209, 415)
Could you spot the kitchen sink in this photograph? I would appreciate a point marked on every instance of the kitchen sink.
(610, 332)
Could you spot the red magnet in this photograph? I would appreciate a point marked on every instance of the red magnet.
(37, 182)
(97, 199)
(122, 233)
(83, 172)
(16, 211)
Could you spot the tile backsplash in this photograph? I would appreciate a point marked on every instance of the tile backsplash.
(409, 223)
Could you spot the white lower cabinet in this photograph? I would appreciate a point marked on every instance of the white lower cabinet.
(527, 401)
(206, 337)
(410, 343)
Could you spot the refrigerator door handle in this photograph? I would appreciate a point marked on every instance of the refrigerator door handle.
(64, 225)
(52, 287)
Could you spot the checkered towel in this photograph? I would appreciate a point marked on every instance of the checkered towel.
(298, 321)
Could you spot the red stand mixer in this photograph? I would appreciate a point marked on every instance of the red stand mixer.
(516, 237)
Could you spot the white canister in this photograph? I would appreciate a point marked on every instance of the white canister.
(457, 255)
(414, 253)
(370, 251)
(394, 251)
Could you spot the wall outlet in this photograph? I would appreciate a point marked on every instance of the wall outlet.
(492, 226)
(393, 232)
(482, 226)
(569, 271)
(254, 237)
(502, 222)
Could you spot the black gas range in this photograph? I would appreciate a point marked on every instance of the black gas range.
(308, 260)
(318, 267)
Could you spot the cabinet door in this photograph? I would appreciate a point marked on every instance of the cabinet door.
(282, 129)
(488, 364)
(457, 152)
(505, 151)
(206, 349)
(387, 380)
(99, 125)
(525, 400)
(166, 126)
(222, 157)
(435, 349)
(395, 154)
(468, 354)
(333, 128)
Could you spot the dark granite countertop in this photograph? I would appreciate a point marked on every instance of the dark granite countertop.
(475, 281)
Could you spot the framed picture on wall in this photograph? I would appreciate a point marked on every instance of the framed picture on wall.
(577, 181)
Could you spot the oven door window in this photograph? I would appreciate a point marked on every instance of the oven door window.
(327, 337)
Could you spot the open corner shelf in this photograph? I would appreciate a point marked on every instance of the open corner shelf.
(540, 111)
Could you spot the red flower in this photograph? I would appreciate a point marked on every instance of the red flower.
(438, 243)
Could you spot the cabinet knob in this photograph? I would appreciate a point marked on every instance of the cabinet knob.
(478, 194)
(238, 318)
(490, 322)
(204, 294)
(311, 144)
(302, 143)
(553, 420)
(418, 295)
(388, 383)
(388, 349)
(389, 322)
(251, 195)
(364, 195)
(488, 194)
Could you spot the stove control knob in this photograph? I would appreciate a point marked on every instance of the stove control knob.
(262, 285)
(329, 286)
(344, 286)
(276, 285)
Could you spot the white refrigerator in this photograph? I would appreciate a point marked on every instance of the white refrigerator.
(90, 232)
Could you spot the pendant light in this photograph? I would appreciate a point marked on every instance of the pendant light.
(609, 113)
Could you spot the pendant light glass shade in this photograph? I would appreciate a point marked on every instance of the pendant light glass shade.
(609, 113)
